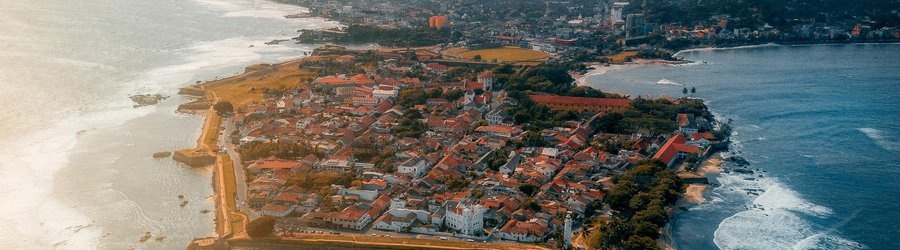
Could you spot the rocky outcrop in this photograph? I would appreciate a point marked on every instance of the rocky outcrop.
(200, 105)
(146, 99)
(162, 154)
(192, 91)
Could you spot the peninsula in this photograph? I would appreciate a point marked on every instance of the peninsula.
(469, 134)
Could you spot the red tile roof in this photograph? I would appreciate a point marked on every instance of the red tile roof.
(672, 147)
(585, 101)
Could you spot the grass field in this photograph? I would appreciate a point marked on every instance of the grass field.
(243, 89)
(621, 56)
(507, 54)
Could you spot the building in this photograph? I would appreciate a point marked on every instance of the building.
(384, 92)
(272, 164)
(499, 130)
(497, 117)
(365, 101)
(414, 167)
(674, 149)
(438, 22)
(487, 80)
(533, 230)
(615, 13)
(464, 217)
(277, 210)
(580, 104)
(352, 217)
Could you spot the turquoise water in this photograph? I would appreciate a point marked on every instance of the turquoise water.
(820, 123)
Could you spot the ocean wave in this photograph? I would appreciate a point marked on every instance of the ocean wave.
(679, 53)
(776, 220)
(668, 82)
(35, 219)
(883, 141)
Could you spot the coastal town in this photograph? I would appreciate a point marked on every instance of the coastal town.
(468, 130)
(381, 144)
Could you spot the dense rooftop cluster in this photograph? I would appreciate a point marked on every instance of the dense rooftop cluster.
(398, 145)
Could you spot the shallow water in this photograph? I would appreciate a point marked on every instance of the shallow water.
(821, 121)
(76, 170)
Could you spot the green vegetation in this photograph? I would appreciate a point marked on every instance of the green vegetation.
(261, 227)
(317, 181)
(656, 116)
(258, 150)
(410, 126)
(640, 196)
(223, 107)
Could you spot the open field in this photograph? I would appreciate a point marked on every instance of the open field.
(509, 54)
(621, 56)
(243, 89)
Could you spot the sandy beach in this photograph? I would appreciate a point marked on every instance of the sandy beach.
(694, 193)
(713, 165)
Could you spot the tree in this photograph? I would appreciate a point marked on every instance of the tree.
(528, 189)
(693, 91)
(261, 227)
(223, 107)
(684, 91)
(640, 243)
(477, 58)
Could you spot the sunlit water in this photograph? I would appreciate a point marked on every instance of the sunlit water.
(76, 170)
(820, 123)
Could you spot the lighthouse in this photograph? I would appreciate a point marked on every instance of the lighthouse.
(567, 233)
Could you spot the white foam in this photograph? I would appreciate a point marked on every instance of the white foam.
(597, 70)
(775, 220)
(668, 82)
(882, 140)
(31, 217)
(679, 53)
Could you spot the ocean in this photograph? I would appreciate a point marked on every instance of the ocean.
(820, 126)
(76, 170)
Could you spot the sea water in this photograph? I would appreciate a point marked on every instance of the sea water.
(819, 123)
(76, 170)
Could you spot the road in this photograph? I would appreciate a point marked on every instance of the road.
(242, 201)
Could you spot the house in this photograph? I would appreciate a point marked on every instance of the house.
(499, 130)
(486, 78)
(272, 164)
(277, 210)
(415, 167)
(533, 230)
(674, 149)
(335, 165)
(367, 101)
(499, 117)
(352, 217)
(686, 123)
(437, 68)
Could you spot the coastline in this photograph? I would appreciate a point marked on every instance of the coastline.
(230, 222)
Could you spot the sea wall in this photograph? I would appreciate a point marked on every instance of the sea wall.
(194, 157)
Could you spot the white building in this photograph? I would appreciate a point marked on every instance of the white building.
(487, 80)
(615, 13)
(384, 92)
(414, 167)
(464, 217)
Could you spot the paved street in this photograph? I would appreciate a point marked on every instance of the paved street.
(239, 173)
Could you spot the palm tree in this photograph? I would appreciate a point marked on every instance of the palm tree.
(684, 91)
(693, 90)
